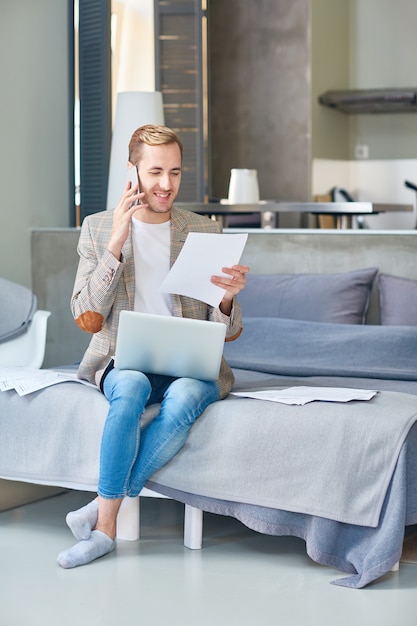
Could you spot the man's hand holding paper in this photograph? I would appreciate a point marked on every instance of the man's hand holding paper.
(208, 269)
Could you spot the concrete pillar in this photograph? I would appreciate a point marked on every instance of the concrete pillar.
(259, 95)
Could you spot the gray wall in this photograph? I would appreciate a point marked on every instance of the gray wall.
(363, 44)
(34, 114)
(259, 60)
(384, 53)
(330, 69)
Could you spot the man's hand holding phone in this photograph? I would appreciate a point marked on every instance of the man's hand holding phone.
(123, 212)
(133, 178)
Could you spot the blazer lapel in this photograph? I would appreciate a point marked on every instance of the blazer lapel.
(179, 232)
(129, 270)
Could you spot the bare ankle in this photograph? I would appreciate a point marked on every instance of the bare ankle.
(107, 515)
(109, 530)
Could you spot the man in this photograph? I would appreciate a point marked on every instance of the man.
(124, 256)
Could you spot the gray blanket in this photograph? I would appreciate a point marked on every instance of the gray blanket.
(332, 460)
(365, 553)
(298, 348)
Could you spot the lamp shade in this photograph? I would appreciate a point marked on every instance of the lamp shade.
(133, 109)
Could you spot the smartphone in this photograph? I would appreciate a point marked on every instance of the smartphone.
(133, 178)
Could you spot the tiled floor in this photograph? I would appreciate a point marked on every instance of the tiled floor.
(239, 578)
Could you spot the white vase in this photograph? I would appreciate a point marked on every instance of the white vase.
(243, 186)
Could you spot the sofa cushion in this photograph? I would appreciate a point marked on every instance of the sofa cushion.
(338, 298)
(398, 300)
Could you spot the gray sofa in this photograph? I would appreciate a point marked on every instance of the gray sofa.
(273, 253)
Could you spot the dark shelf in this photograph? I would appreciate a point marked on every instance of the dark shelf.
(395, 100)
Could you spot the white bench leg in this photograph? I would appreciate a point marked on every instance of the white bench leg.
(395, 567)
(193, 527)
(128, 523)
(128, 519)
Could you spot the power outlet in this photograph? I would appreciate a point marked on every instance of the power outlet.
(361, 151)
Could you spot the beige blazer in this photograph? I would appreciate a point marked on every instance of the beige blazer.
(104, 287)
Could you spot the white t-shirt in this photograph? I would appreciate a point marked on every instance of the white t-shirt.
(151, 250)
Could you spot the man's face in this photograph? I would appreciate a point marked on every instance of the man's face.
(159, 178)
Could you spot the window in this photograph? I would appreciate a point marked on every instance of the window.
(92, 104)
(180, 40)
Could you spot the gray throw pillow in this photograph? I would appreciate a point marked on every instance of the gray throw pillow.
(337, 298)
(398, 300)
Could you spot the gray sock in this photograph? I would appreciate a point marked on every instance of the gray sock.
(82, 521)
(86, 551)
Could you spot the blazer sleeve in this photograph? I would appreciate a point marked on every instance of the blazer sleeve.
(96, 281)
(233, 322)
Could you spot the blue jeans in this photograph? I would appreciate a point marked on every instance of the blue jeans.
(130, 455)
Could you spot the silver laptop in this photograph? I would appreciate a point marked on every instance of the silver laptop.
(172, 346)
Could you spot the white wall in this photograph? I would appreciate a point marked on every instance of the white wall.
(133, 62)
(34, 185)
(363, 44)
(378, 181)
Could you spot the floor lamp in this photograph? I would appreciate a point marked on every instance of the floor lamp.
(133, 109)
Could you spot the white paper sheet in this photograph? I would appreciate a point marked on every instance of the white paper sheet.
(202, 256)
(302, 395)
(25, 381)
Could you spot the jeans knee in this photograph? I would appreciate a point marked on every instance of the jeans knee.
(186, 399)
(126, 384)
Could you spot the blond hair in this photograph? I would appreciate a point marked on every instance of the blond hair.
(152, 135)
